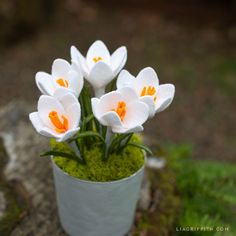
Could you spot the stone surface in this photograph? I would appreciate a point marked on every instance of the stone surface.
(2, 204)
(23, 146)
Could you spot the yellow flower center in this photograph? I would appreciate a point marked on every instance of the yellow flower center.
(97, 59)
(60, 126)
(121, 110)
(62, 82)
(148, 90)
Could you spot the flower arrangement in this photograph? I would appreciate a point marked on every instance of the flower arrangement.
(93, 134)
(67, 113)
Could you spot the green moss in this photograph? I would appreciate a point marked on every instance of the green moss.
(117, 167)
(16, 207)
(161, 220)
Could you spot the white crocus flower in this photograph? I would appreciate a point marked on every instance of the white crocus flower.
(58, 116)
(99, 67)
(63, 76)
(146, 84)
(121, 110)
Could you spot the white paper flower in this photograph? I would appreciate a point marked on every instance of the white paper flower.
(58, 116)
(146, 84)
(99, 67)
(121, 110)
(63, 75)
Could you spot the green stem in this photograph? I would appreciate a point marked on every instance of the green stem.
(108, 140)
(124, 143)
(75, 148)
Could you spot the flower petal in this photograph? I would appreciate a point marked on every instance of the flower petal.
(118, 59)
(129, 94)
(165, 96)
(147, 77)
(50, 133)
(35, 120)
(79, 60)
(136, 114)
(95, 104)
(60, 137)
(46, 104)
(125, 79)
(60, 68)
(97, 49)
(65, 97)
(76, 82)
(111, 119)
(108, 102)
(100, 75)
(123, 130)
(67, 135)
(73, 113)
(44, 82)
(149, 101)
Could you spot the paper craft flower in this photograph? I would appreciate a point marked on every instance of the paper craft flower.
(58, 116)
(120, 110)
(146, 84)
(99, 67)
(63, 76)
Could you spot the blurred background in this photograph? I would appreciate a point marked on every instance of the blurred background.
(190, 43)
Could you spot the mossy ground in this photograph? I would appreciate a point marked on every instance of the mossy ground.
(118, 166)
(160, 218)
(191, 194)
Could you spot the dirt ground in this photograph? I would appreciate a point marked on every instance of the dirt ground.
(195, 49)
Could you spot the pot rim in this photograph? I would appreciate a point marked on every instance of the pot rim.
(98, 182)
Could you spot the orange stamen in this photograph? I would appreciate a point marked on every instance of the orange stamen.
(148, 91)
(97, 59)
(62, 82)
(60, 127)
(120, 110)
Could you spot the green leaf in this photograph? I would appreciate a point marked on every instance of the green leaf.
(88, 118)
(88, 134)
(124, 143)
(85, 121)
(116, 142)
(141, 146)
(62, 154)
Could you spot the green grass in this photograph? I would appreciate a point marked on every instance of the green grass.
(117, 167)
(207, 190)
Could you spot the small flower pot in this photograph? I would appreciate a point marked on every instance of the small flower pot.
(88, 208)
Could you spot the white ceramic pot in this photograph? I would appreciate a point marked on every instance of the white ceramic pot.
(88, 208)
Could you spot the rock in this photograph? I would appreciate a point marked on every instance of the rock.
(23, 147)
(2, 204)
